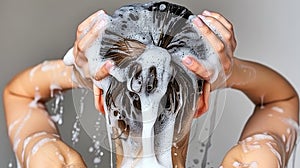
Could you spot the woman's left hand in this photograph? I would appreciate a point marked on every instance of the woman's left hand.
(224, 46)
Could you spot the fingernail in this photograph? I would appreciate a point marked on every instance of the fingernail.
(198, 22)
(206, 13)
(187, 60)
(109, 64)
(100, 12)
(203, 18)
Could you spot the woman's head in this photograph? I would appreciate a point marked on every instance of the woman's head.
(149, 87)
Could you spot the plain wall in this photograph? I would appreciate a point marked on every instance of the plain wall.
(32, 31)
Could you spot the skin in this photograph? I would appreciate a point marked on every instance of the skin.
(23, 88)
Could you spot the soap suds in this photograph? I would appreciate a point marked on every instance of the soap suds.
(150, 97)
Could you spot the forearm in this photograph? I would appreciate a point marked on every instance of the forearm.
(276, 129)
(277, 104)
(24, 99)
(26, 122)
(260, 83)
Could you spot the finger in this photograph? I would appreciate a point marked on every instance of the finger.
(104, 70)
(226, 36)
(219, 17)
(212, 38)
(209, 34)
(80, 59)
(223, 20)
(85, 26)
(71, 157)
(194, 66)
(76, 165)
(225, 33)
(97, 91)
(98, 99)
(91, 36)
(75, 160)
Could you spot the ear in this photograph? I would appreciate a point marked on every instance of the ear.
(98, 99)
(203, 101)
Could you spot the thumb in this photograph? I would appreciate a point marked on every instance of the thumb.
(104, 70)
(71, 157)
(74, 160)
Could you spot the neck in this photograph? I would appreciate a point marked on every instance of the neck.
(178, 153)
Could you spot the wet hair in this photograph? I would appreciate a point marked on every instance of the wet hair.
(123, 43)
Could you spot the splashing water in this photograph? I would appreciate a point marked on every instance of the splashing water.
(76, 125)
(91, 121)
(202, 131)
(10, 165)
(57, 107)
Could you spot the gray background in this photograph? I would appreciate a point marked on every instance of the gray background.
(35, 30)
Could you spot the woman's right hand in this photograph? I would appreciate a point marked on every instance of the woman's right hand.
(87, 32)
(49, 151)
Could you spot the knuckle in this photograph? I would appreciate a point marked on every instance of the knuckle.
(196, 68)
(75, 50)
(100, 75)
(228, 36)
(220, 47)
(227, 66)
(230, 27)
(80, 28)
(217, 16)
(80, 46)
(79, 61)
(234, 43)
(210, 19)
(78, 35)
(206, 30)
(95, 33)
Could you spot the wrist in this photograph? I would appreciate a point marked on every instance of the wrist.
(232, 77)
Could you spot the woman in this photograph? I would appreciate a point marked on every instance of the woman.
(267, 139)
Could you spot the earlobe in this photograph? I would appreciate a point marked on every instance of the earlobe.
(203, 101)
(98, 99)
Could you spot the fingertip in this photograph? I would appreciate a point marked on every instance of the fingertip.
(198, 22)
(204, 19)
(100, 12)
(206, 13)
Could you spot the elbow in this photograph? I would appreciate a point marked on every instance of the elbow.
(5, 96)
(294, 105)
(297, 105)
(6, 92)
